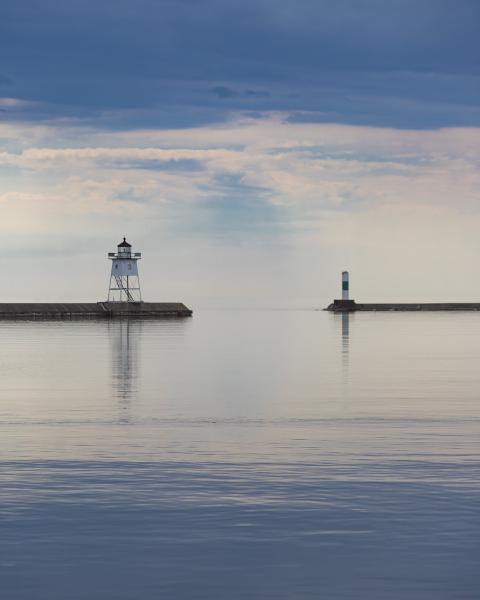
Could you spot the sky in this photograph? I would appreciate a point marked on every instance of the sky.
(251, 150)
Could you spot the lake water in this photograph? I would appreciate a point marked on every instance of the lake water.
(241, 455)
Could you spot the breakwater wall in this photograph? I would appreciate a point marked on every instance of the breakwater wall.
(93, 310)
(352, 306)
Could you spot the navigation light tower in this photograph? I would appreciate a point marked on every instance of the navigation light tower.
(345, 285)
(124, 281)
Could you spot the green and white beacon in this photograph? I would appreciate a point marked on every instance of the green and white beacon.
(345, 285)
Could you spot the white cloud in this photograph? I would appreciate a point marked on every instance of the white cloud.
(15, 103)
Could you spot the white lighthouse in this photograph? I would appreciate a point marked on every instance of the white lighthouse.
(124, 281)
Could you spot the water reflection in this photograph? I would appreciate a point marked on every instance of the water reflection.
(126, 338)
(345, 342)
(243, 445)
(345, 333)
(125, 346)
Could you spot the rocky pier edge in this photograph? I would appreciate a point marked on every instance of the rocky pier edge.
(352, 306)
(93, 310)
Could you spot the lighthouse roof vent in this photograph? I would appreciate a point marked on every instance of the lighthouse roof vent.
(124, 244)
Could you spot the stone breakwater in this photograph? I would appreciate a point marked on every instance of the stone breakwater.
(352, 306)
(93, 310)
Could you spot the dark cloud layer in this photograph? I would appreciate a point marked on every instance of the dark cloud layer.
(174, 63)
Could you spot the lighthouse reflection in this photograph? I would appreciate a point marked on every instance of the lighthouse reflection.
(125, 346)
(345, 333)
(345, 316)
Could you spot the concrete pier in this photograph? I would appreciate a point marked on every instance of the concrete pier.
(352, 306)
(93, 310)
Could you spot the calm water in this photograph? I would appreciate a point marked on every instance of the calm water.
(235, 455)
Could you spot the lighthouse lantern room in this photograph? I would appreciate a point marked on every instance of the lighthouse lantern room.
(124, 281)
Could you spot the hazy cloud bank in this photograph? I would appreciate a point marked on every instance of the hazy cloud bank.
(308, 198)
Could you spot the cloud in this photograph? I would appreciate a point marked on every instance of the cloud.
(14, 103)
(293, 201)
(180, 165)
(180, 64)
(257, 93)
(277, 136)
(253, 167)
(222, 91)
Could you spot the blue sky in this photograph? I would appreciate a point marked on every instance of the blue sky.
(243, 145)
